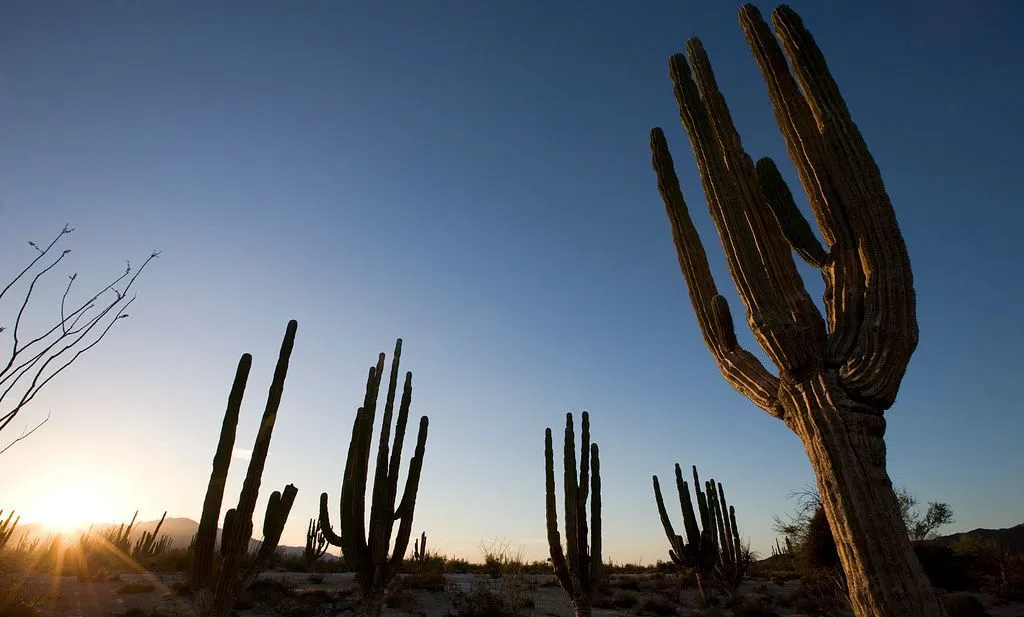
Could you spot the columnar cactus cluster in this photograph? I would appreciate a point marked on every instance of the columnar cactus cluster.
(711, 549)
(419, 548)
(367, 551)
(316, 543)
(7, 527)
(148, 545)
(215, 595)
(578, 566)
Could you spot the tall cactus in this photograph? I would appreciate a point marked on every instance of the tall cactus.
(578, 567)
(838, 374)
(713, 549)
(215, 596)
(367, 552)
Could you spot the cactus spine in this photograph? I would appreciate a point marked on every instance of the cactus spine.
(713, 549)
(367, 552)
(578, 567)
(839, 372)
(216, 596)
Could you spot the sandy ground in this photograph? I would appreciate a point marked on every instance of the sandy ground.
(152, 595)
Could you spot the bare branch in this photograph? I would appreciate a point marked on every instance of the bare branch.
(25, 433)
(35, 363)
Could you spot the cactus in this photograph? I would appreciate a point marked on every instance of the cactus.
(837, 373)
(366, 552)
(419, 548)
(7, 528)
(120, 537)
(713, 549)
(147, 546)
(212, 595)
(316, 544)
(578, 568)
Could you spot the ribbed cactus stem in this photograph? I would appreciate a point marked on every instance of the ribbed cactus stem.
(791, 221)
(206, 535)
(369, 551)
(839, 372)
(216, 597)
(577, 567)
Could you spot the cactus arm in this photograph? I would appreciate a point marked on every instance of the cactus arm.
(228, 582)
(686, 505)
(595, 521)
(325, 523)
(400, 427)
(407, 507)
(794, 226)
(572, 513)
(884, 331)
(383, 496)
(785, 320)
(739, 367)
(675, 541)
(558, 560)
(206, 535)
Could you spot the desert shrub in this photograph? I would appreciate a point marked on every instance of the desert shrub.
(819, 547)
(267, 590)
(618, 598)
(425, 580)
(457, 566)
(624, 582)
(822, 590)
(654, 604)
(15, 602)
(316, 578)
(946, 569)
(399, 598)
(173, 560)
(754, 607)
(964, 605)
(480, 600)
(139, 586)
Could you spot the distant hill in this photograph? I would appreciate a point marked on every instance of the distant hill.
(179, 530)
(1011, 538)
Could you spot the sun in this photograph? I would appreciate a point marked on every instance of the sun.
(71, 506)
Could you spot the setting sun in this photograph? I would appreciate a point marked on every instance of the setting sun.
(71, 505)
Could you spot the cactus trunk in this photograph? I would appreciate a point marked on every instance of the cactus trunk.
(837, 373)
(847, 452)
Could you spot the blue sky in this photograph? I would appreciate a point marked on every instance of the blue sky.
(475, 178)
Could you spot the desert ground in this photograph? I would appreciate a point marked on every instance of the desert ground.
(299, 594)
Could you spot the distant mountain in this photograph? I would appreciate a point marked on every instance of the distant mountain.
(179, 530)
(1011, 538)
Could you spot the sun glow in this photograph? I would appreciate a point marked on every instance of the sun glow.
(70, 506)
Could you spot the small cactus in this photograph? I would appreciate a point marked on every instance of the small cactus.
(419, 548)
(712, 550)
(316, 544)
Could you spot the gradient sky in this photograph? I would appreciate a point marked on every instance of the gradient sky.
(475, 178)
